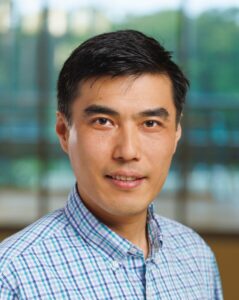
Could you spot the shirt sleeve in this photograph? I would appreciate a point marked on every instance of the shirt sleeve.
(5, 292)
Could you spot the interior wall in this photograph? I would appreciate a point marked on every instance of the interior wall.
(226, 249)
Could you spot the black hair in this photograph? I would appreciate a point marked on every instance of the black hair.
(119, 53)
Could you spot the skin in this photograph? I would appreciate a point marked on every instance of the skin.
(121, 126)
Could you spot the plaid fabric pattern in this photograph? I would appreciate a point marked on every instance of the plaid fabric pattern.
(69, 254)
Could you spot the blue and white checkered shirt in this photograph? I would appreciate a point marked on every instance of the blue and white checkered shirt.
(69, 254)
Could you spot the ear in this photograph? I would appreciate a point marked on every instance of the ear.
(62, 130)
(177, 136)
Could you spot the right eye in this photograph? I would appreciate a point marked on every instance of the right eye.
(102, 122)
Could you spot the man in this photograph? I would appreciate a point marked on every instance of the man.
(120, 98)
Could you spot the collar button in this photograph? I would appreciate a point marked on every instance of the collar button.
(115, 265)
(133, 250)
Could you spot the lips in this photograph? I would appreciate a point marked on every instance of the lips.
(126, 180)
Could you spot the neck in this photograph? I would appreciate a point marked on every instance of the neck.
(134, 230)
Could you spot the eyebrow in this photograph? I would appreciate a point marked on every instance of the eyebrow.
(157, 112)
(99, 109)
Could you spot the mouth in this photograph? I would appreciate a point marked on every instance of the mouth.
(125, 181)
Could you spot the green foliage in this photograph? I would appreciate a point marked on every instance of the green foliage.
(211, 47)
(214, 58)
(161, 25)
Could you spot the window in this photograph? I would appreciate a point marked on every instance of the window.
(37, 36)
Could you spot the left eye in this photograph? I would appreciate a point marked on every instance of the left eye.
(151, 123)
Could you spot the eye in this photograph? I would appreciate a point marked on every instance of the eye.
(102, 122)
(152, 123)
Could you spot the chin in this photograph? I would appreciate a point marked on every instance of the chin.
(130, 210)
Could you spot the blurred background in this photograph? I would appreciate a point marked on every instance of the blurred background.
(202, 190)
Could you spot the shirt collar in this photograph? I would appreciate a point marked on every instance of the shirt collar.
(102, 237)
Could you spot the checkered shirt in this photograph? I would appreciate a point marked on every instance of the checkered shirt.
(69, 254)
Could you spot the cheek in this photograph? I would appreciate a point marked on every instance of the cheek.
(87, 151)
(161, 148)
(160, 156)
(74, 146)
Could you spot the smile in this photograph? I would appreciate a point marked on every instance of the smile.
(124, 178)
(125, 182)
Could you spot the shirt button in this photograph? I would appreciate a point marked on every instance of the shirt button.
(133, 250)
(115, 265)
(149, 266)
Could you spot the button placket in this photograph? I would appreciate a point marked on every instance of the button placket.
(149, 289)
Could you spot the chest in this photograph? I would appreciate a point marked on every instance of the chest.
(83, 277)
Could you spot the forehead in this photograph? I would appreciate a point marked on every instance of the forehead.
(127, 93)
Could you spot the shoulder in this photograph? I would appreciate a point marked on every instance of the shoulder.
(189, 254)
(182, 245)
(180, 238)
(31, 237)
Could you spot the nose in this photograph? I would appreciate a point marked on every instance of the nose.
(127, 145)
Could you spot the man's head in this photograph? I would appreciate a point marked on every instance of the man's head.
(120, 99)
(120, 53)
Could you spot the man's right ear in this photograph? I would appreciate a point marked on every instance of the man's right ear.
(62, 130)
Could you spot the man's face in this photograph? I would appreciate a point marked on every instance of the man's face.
(121, 142)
